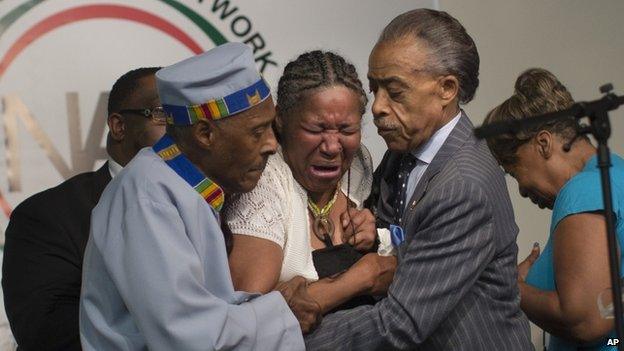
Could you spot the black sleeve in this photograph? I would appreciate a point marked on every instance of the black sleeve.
(41, 276)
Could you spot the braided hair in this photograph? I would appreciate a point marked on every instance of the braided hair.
(310, 72)
(316, 70)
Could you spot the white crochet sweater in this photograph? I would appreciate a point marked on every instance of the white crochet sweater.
(276, 210)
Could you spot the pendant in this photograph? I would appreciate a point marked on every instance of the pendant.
(325, 224)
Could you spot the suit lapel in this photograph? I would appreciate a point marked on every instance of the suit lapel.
(101, 178)
(455, 140)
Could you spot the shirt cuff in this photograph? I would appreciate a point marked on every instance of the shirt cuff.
(385, 247)
(278, 329)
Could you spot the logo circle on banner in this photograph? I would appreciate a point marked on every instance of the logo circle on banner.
(58, 60)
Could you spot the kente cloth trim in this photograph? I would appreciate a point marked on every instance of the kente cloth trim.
(167, 149)
(232, 104)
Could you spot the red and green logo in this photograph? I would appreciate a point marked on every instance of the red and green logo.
(29, 26)
(89, 12)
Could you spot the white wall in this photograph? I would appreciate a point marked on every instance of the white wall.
(582, 42)
(113, 46)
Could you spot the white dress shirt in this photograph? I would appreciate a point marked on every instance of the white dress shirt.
(425, 153)
(113, 167)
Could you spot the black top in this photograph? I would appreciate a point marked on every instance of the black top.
(42, 267)
(333, 260)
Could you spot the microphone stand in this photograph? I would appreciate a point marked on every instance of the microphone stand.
(600, 128)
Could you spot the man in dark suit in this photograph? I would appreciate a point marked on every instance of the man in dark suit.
(455, 283)
(48, 232)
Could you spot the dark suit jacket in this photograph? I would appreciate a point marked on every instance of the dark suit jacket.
(42, 267)
(455, 286)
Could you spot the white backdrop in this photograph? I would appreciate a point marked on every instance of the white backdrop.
(83, 46)
(580, 41)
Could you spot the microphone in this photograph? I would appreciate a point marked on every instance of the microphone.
(578, 110)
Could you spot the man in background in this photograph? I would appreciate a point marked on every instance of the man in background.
(48, 232)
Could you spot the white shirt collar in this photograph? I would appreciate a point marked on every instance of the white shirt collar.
(426, 152)
(113, 167)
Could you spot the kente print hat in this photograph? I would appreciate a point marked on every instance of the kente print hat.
(219, 83)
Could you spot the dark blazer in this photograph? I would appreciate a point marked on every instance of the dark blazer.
(455, 286)
(42, 267)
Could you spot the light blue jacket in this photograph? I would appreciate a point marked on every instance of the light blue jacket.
(156, 275)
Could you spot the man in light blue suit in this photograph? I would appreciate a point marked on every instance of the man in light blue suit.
(156, 270)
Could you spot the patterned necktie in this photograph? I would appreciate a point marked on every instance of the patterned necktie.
(408, 162)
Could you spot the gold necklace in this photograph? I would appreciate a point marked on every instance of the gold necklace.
(322, 220)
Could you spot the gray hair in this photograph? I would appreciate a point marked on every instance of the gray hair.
(451, 49)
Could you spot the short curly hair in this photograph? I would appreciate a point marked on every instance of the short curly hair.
(126, 86)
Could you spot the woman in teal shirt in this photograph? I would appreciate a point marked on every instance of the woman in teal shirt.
(559, 289)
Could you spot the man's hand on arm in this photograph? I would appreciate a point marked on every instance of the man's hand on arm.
(305, 308)
(378, 270)
(445, 255)
(371, 275)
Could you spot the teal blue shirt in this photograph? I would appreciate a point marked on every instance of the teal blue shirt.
(582, 193)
